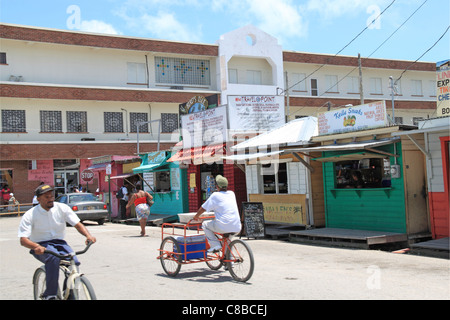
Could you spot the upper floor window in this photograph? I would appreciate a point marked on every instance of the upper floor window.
(51, 121)
(3, 58)
(113, 121)
(331, 83)
(182, 71)
(137, 73)
(76, 121)
(135, 118)
(169, 122)
(376, 86)
(416, 87)
(353, 84)
(232, 76)
(13, 121)
(254, 77)
(297, 82)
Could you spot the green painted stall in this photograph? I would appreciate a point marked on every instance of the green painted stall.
(370, 208)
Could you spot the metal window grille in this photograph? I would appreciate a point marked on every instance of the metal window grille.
(182, 71)
(136, 117)
(13, 121)
(51, 121)
(113, 121)
(76, 121)
(169, 122)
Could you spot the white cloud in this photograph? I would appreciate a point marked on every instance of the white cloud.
(97, 26)
(282, 19)
(330, 9)
(166, 26)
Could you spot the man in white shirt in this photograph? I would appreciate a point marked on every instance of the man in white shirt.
(43, 227)
(227, 220)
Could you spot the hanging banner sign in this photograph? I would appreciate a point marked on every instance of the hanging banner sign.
(365, 116)
(443, 92)
(256, 113)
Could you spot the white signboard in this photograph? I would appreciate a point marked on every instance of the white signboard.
(205, 127)
(256, 113)
(365, 116)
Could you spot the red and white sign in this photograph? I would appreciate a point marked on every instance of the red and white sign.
(87, 175)
(256, 113)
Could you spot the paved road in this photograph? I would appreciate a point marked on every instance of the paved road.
(122, 265)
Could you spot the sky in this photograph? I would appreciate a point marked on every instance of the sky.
(315, 26)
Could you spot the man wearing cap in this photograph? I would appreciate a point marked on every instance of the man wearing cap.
(43, 227)
(227, 220)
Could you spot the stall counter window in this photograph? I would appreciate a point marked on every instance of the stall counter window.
(363, 173)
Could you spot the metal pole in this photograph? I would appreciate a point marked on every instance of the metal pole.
(361, 93)
(140, 123)
(392, 97)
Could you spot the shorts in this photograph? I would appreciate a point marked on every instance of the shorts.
(142, 211)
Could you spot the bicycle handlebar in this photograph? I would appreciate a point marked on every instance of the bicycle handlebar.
(70, 255)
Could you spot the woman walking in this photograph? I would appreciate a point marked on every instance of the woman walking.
(139, 199)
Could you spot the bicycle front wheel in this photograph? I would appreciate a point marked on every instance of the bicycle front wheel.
(84, 290)
(39, 284)
(239, 260)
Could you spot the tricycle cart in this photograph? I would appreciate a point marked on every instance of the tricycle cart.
(185, 243)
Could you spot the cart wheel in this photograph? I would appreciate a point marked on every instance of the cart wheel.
(170, 261)
(240, 260)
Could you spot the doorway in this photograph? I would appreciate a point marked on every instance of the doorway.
(65, 181)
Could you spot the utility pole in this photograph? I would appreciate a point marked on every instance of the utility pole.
(288, 112)
(391, 79)
(361, 93)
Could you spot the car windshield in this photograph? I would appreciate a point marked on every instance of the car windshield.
(81, 197)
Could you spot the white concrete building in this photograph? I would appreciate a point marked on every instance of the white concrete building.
(69, 95)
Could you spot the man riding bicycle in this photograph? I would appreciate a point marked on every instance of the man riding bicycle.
(227, 220)
(43, 228)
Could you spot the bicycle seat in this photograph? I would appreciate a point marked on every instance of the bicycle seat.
(227, 235)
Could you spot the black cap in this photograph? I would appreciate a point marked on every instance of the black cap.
(43, 189)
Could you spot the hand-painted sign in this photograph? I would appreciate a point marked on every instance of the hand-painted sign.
(365, 116)
(443, 92)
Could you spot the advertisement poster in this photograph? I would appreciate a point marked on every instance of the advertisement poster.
(43, 172)
(365, 116)
(256, 113)
(443, 92)
(205, 127)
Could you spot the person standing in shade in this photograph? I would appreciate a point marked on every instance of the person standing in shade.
(123, 198)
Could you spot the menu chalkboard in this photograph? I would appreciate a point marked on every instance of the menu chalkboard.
(253, 213)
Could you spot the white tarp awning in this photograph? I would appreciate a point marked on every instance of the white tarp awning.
(242, 157)
(367, 145)
(298, 131)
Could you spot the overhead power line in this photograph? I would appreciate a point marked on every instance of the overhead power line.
(381, 13)
(404, 22)
(440, 38)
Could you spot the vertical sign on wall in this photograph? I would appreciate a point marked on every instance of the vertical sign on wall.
(443, 92)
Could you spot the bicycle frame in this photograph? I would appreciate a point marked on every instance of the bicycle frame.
(71, 271)
(196, 228)
(72, 277)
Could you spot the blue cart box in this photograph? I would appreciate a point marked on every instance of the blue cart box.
(192, 243)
